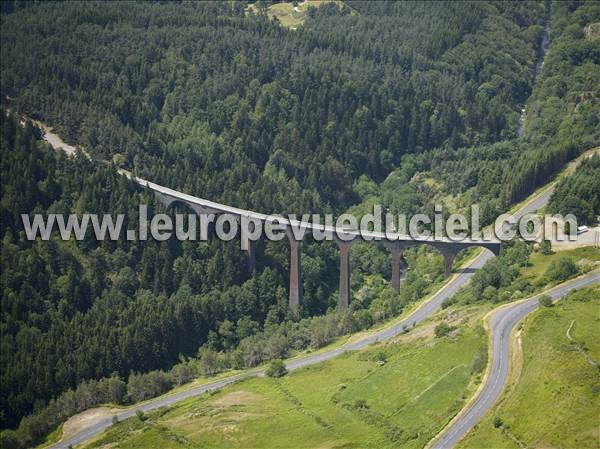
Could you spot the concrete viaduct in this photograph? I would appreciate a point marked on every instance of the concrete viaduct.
(395, 243)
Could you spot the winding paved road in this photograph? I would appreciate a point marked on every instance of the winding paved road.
(502, 323)
(424, 311)
(505, 319)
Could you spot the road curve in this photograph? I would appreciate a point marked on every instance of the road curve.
(417, 316)
(502, 323)
(424, 311)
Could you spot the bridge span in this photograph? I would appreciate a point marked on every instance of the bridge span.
(396, 243)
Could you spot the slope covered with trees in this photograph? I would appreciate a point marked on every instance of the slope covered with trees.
(562, 121)
(74, 311)
(179, 92)
(80, 310)
(579, 193)
(359, 103)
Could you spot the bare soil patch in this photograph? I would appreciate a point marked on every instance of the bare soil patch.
(83, 420)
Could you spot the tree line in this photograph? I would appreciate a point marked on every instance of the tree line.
(75, 311)
(288, 120)
(579, 193)
(398, 102)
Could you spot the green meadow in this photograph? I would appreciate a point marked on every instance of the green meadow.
(291, 16)
(539, 263)
(398, 394)
(553, 398)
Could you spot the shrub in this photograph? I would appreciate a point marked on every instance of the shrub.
(276, 369)
(480, 361)
(504, 295)
(140, 415)
(252, 350)
(442, 329)
(276, 346)
(545, 301)
(361, 404)
(237, 359)
(381, 357)
(9, 439)
(208, 359)
(145, 386)
(447, 302)
(490, 294)
(182, 373)
(546, 247)
(116, 389)
(561, 269)
(498, 422)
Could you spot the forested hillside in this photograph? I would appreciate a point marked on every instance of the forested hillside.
(579, 193)
(562, 120)
(180, 92)
(403, 103)
(79, 310)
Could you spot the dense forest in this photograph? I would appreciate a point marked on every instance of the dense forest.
(79, 310)
(402, 103)
(562, 120)
(579, 193)
(179, 92)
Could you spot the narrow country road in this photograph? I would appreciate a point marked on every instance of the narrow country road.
(424, 311)
(417, 316)
(502, 322)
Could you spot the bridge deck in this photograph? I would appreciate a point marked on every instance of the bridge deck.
(491, 244)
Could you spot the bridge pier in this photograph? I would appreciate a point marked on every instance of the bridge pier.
(250, 256)
(344, 289)
(396, 268)
(448, 260)
(295, 294)
(397, 245)
(397, 249)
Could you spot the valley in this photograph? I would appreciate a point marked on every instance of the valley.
(252, 109)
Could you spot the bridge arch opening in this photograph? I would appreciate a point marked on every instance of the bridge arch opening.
(456, 255)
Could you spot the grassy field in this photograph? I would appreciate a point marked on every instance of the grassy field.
(354, 400)
(556, 401)
(539, 263)
(290, 16)
(350, 401)
(463, 258)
